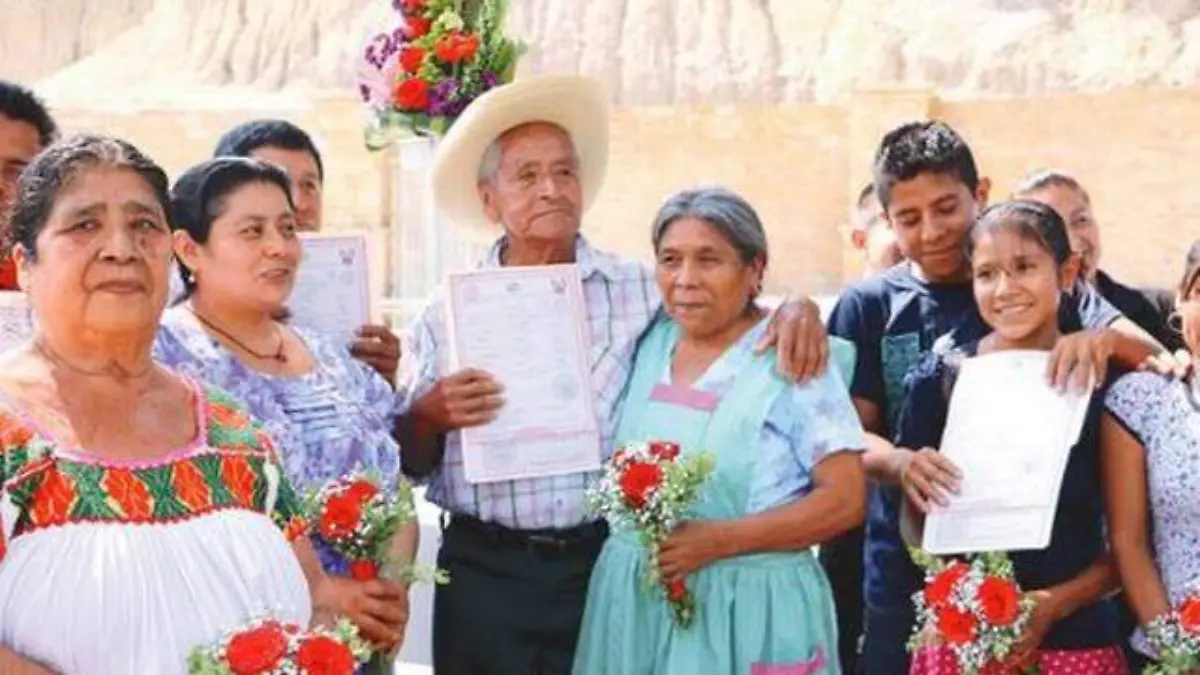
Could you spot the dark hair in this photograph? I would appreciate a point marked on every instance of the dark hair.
(922, 147)
(21, 104)
(245, 138)
(724, 210)
(198, 196)
(1028, 219)
(1049, 178)
(864, 194)
(55, 167)
(1191, 268)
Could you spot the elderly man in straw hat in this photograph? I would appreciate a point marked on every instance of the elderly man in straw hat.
(530, 157)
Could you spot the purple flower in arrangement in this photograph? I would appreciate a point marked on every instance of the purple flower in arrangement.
(489, 80)
(333, 562)
(444, 99)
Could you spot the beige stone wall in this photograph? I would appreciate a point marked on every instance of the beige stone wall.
(800, 164)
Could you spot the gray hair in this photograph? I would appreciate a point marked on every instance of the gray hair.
(724, 210)
(490, 163)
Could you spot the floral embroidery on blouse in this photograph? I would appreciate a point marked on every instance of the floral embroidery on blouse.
(235, 467)
(326, 423)
(1159, 413)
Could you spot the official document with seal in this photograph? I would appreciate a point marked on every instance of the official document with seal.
(1011, 434)
(526, 326)
(332, 294)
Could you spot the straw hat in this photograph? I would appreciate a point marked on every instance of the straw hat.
(577, 104)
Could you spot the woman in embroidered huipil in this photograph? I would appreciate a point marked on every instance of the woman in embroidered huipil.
(1151, 469)
(788, 473)
(237, 246)
(142, 514)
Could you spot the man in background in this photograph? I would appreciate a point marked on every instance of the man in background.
(871, 234)
(25, 128)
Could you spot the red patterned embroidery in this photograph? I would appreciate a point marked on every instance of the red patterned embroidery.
(228, 417)
(53, 498)
(191, 487)
(239, 477)
(129, 493)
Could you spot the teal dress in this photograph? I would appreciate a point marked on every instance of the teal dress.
(758, 613)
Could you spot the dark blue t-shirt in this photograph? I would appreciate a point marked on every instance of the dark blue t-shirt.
(1077, 537)
(894, 319)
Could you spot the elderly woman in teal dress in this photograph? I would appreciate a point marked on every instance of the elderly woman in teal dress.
(788, 472)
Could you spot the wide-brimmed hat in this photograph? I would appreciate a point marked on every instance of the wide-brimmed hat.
(577, 104)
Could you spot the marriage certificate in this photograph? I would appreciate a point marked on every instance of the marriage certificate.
(332, 294)
(1010, 433)
(526, 327)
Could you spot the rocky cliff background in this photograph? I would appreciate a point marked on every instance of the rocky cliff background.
(649, 52)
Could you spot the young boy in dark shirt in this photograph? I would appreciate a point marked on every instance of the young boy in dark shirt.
(931, 192)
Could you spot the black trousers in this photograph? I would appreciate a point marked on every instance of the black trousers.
(515, 599)
(842, 560)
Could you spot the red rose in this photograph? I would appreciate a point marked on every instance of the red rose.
(339, 517)
(416, 27)
(413, 94)
(1189, 615)
(676, 590)
(955, 626)
(664, 450)
(638, 479)
(321, 655)
(456, 47)
(257, 651)
(412, 6)
(363, 570)
(411, 58)
(362, 490)
(1000, 601)
(937, 591)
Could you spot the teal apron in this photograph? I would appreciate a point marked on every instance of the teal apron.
(757, 614)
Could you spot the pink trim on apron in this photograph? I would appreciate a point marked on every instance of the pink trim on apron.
(816, 665)
(685, 397)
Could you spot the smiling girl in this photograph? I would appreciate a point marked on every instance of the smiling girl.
(1021, 264)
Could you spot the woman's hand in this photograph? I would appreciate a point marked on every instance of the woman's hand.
(379, 607)
(378, 347)
(690, 547)
(927, 477)
(1046, 612)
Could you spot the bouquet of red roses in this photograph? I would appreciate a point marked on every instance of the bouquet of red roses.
(442, 55)
(648, 488)
(975, 607)
(267, 647)
(1175, 639)
(354, 523)
(355, 518)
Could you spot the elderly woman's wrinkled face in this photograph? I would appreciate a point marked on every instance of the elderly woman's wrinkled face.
(252, 252)
(535, 193)
(704, 281)
(103, 256)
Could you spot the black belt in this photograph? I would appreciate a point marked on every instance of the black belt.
(586, 537)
